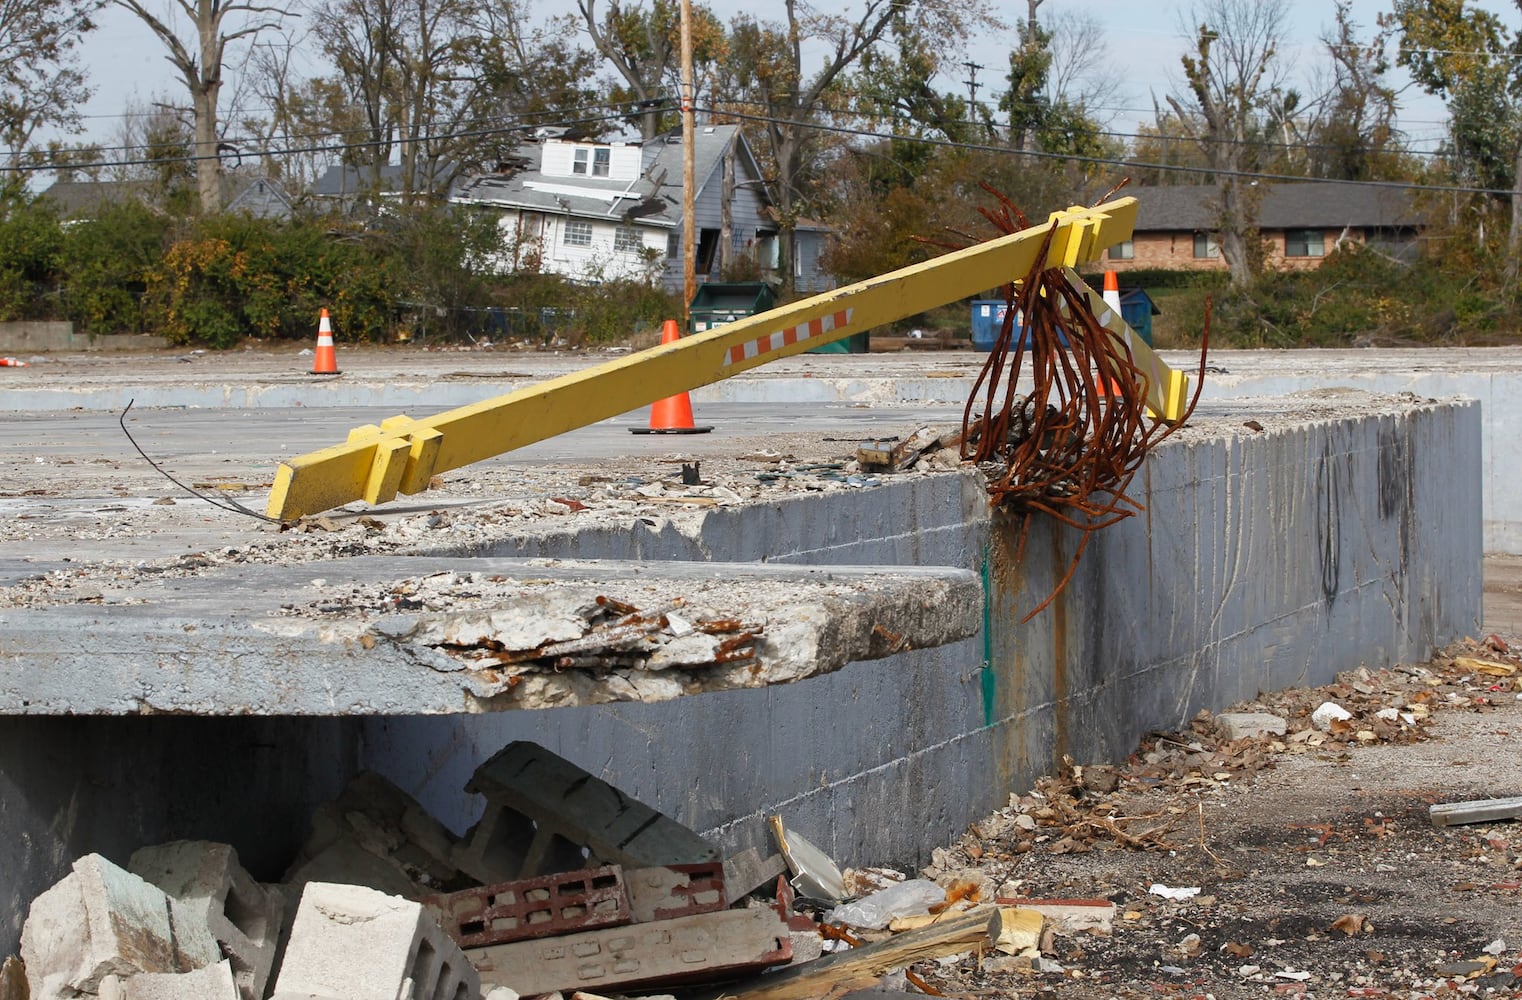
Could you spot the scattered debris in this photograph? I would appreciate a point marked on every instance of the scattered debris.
(1476, 811)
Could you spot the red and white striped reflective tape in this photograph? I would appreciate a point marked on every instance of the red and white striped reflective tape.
(783, 338)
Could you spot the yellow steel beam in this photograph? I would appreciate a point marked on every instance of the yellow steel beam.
(1166, 389)
(402, 454)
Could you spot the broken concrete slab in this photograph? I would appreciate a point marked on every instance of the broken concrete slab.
(241, 914)
(1475, 811)
(327, 638)
(708, 947)
(356, 943)
(214, 982)
(537, 802)
(101, 920)
(1241, 725)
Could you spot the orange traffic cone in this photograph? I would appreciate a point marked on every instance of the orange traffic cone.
(672, 415)
(325, 361)
(1112, 299)
(12, 363)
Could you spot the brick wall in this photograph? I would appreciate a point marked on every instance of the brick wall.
(1174, 251)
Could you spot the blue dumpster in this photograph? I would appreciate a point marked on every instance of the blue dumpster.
(987, 321)
(1137, 309)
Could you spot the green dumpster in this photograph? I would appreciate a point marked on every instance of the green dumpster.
(720, 302)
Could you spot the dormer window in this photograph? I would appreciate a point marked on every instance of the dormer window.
(600, 159)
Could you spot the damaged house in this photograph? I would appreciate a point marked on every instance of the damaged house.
(596, 211)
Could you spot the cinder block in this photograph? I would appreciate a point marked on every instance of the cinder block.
(539, 804)
(675, 891)
(1239, 725)
(214, 982)
(373, 817)
(101, 920)
(354, 943)
(533, 908)
(703, 948)
(242, 915)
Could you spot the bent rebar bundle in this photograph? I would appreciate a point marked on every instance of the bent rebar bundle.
(1070, 446)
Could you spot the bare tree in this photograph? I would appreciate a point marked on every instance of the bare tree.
(1229, 78)
(40, 84)
(200, 63)
(768, 76)
(643, 48)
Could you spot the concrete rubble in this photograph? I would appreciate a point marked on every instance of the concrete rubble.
(565, 884)
(415, 635)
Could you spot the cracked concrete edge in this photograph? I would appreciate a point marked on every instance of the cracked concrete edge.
(217, 645)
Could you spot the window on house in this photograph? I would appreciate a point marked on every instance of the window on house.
(579, 160)
(578, 234)
(1205, 246)
(626, 239)
(1124, 250)
(673, 245)
(601, 158)
(1304, 243)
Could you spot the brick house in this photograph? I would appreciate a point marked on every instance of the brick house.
(1300, 223)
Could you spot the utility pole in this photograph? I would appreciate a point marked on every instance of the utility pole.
(689, 172)
(972, 84)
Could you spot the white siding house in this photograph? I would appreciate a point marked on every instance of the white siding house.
(602, 211)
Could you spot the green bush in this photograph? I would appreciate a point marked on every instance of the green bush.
(30, 240)
(105, 262)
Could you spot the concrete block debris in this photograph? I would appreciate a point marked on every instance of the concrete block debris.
(1243, 725)
(355, 943)
(535, 907)
(377, 835)
(899, 454)
(241, 914)
(676, 891)
(1475, 811)
(539, 804)
(701, 948)
(214, 982)
(101, 920)
(748, 871)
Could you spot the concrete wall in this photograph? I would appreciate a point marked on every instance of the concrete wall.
(1263, 561)
(41, 336)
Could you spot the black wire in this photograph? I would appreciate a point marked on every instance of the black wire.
(229, 504)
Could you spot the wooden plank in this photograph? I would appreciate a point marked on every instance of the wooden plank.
(1475, 811)
(844, 971)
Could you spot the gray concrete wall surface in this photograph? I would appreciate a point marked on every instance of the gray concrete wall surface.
(36, 335)
(1262, 561)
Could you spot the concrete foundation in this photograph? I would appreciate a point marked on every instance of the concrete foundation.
(1261, 562)
(1348, 533)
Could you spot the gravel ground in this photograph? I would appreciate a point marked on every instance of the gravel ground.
(1318, 871)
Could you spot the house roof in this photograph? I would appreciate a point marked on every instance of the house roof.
(1299, 205)
(259, 196)
(350, 182)
(655, 198)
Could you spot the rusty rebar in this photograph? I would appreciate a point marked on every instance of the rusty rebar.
(1070, 446)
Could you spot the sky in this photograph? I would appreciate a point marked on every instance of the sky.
(1144, 40)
